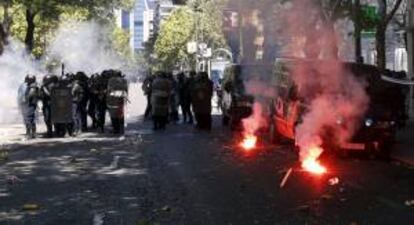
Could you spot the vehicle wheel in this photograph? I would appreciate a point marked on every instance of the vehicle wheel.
(225, 120)
(384, 151)
(234, 124)
(274, 136)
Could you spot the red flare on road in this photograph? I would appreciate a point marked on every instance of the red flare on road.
(311, 163)
(249, 142)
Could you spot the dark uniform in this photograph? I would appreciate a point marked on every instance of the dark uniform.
(49, 81)
(83, 104)
(184, 98)
(92, 104)
(28, 104)
(161, 92)
(202, 93)
(100, 92)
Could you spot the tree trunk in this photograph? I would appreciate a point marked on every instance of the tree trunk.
(29, 40)
(4, 27)
(380, 35)
(380, 47)
(358, 30)
(3, 38)
(332, 49)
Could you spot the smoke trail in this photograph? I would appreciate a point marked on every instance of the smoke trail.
(331, 91)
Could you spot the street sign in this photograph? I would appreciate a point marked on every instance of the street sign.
(192, 47)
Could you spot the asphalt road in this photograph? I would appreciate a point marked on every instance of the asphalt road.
(184, 176)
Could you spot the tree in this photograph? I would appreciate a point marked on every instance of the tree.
(4, 24)
(199, 20)
(38, 11)
(386, 10)
(331, 11)
(175, 33)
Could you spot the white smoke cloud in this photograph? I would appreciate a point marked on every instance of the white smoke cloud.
(81, 46)
(15, 64)
(86, 46)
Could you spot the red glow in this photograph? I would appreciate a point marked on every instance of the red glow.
(311, 164)
(249, 142)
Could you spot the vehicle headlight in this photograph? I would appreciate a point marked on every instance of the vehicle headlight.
(369, 122)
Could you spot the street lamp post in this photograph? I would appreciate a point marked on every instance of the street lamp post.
(410, 46)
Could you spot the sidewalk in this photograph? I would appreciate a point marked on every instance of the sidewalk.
(404, 149)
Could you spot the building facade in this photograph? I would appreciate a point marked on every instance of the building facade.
(145, 20)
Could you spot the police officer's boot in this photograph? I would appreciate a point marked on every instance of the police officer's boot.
(122, 126)
(33, 132)
(28, 130)
(49, 132)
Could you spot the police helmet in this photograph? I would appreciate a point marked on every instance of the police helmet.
(30, 79)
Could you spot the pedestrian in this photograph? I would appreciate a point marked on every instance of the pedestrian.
(48, 83)
(184, 99)
(202, 93)
(161, 92)
(147, 89)
(28, 98)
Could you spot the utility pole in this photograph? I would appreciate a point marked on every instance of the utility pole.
(410, 50)
(240, 26)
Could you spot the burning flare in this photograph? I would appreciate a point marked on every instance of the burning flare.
(249, 142)
(250, 126)
(310, 162)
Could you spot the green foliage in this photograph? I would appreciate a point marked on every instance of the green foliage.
(47, 15)
(120, 41)
(369, 17)
(175, 33)
(200, 20)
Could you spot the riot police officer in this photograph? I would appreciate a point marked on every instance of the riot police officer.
(82, 79)
(147, 89)
(48, 83)
(161, 92)
(92, 104)
(184, 99)
(78, 95)
(202, 93)
(100, 90)
(117, 94)
(173, 116)
(28, 103)
(62, 106)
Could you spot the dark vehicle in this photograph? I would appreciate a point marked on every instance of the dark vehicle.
(237, 100)
(375, 131)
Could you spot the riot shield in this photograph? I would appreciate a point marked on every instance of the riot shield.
(61, 105)
(116, 95)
